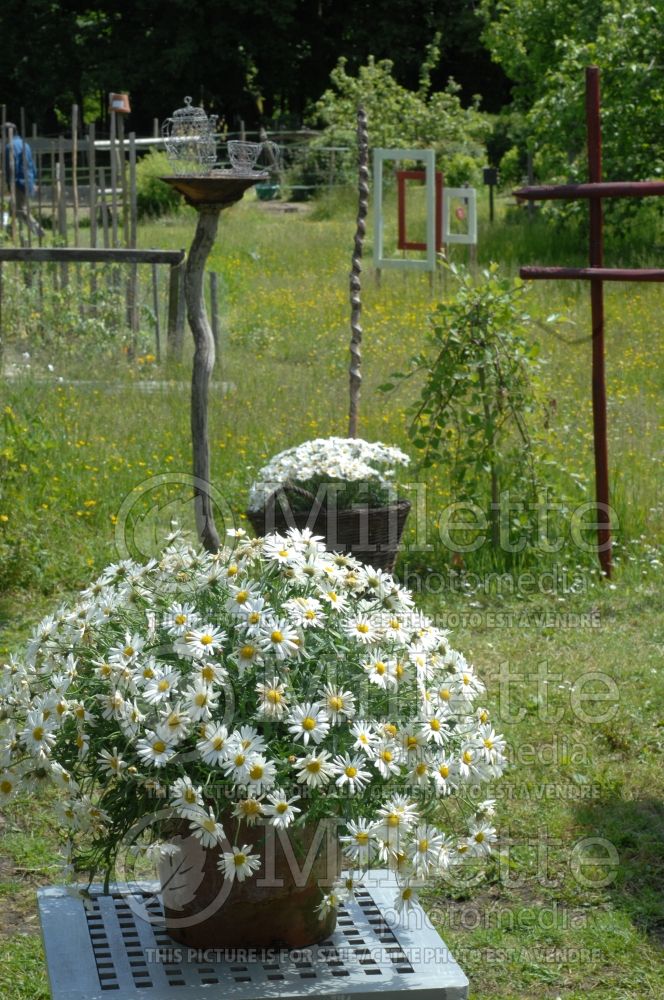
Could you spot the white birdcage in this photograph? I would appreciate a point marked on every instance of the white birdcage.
(190, 141)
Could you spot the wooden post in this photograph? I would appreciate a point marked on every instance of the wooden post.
(155, 304)
(356, 270)
(74, 168)
(92, 180)
(155, 128)
(62, 208)
(597, 313)
(123, 179)
(176, 307)
(114, 181)
(1, 342)
(206, 230)
(133, 224)
(103, 205)
(12, 187)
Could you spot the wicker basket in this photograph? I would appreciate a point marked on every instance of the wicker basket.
(370, 534)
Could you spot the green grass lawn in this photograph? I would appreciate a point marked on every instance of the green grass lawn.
(572, 905)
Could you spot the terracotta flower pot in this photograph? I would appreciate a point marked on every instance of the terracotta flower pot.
(274, 908)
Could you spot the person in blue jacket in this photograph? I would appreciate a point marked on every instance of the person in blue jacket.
(20, 175)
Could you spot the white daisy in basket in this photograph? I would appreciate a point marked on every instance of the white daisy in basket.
(280, 809)
(360, 841)
(185, 797)
(239, 863)
(206, 828)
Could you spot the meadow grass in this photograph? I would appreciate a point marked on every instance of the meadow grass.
(572, 904)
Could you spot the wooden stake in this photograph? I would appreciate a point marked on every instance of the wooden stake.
(74, 168)
(356, 270)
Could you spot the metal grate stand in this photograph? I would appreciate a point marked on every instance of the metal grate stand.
(116, 945)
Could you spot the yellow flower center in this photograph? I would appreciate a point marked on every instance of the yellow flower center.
(201, 698)
(421, 769)
(38, 732)
(207, 674)
(256, 772)
(390, 729)
(242, 596)
(407, 893)
(479, 837)
(180, 619)
(310, 615)
(411, 743)
(336, 703)
(386, 755)
(435, 725)
(277, 636)
(467, 756)
(274, 696)
(159, 746)
(393, 819)
(443, 770)
(240, 859)
(129, 651)
(351, 772)
(163, 684)
(281, 808)
(313, 766)
(209, 824)
(239, 759)
(253, 617)
(247, 652)
(189, 795)
(6, 786)
(206, 640)
(361, 837)
(218, 743)
(363, 628)
(231, 571)
(308, 723)
(488, 744)
(380, 668)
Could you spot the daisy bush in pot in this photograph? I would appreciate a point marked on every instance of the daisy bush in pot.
(346, 469)
(270, 686)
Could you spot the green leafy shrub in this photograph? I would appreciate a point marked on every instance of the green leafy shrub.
(153, 196)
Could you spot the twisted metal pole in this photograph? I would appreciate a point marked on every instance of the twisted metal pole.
(356, 270)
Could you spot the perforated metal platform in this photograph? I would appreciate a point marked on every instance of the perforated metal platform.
(106, 949)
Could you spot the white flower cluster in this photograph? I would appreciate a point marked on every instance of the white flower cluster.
(265, 684)
(351, 459)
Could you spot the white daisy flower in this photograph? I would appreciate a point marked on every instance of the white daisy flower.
(387, 758)
(213, 746)
(362, 628)
(360, 843)
(308, 722)
(204, 641)
(366, 737)
(239, 863)
(425, 848)
(351, 773)
(181, 618)
(205, 827)
(405, 899)
(280, 809)
(481, 838)
(260, 773)
(331, 901)
(272, 698)
(305, 612)
(279, 638)
(111, 762)
(38, 736)
(162, 687)
(249, 810)
(315, 770)
(339, 704)
(155, 749)
(198, 701)
(185, 797)
(381, 670)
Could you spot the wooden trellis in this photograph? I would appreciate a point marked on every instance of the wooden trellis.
(597, 274)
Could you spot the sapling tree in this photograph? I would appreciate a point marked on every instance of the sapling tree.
(477, 397)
